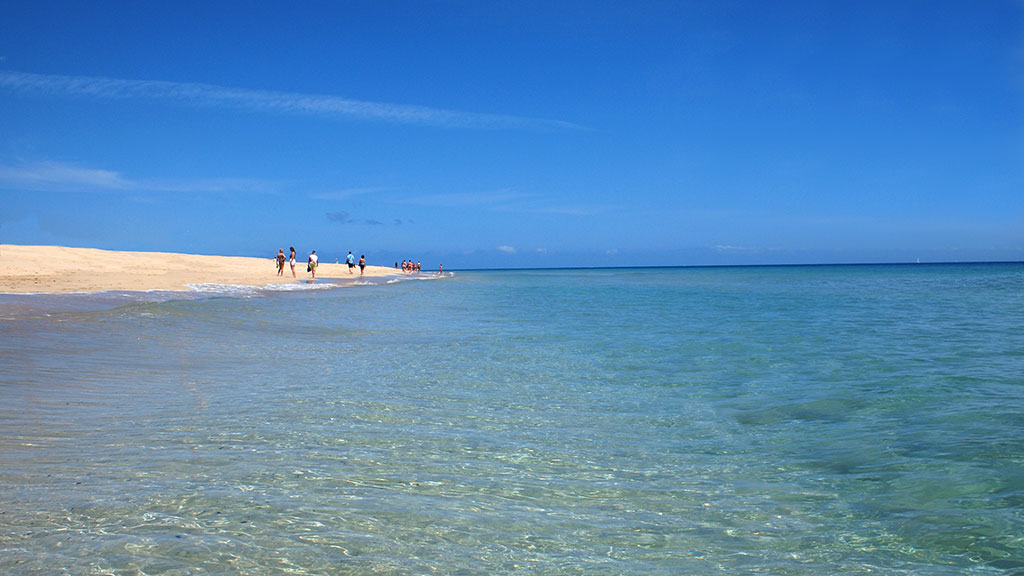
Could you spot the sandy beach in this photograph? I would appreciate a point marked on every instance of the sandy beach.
(61, 270)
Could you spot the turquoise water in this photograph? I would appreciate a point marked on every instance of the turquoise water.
(794, 421)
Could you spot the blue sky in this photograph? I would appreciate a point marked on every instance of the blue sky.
(518, 133)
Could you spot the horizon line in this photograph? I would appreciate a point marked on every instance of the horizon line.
(777, 265)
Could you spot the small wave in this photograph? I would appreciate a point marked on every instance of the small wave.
(225, 289)
(15, 306)
(426, 276)
(326, 284)
(239, 290)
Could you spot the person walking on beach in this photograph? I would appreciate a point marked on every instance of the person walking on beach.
(362, 264)
(291, 260)
(351, 261)
(280, 262)
(313, 261)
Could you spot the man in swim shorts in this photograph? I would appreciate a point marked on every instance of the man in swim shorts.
(313, 261)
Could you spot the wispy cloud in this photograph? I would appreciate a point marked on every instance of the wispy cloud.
(494, 199)
(209, 95)
(730, 249)
(346, 218)
(347, 193)
(51, 176)
(578, 210)
(506, 200)
(507, 249)
(55, 176)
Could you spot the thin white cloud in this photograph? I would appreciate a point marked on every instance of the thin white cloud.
(209, 95)
(506, 249)
(575, 210)
(726, 248)
(493, 199)
(347, 193)
(50, 176)
(58, 177)
(346, 218)
(504, 200)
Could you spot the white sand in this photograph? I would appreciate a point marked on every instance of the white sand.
(58, 269)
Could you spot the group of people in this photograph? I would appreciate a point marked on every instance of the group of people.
(313, 261)
(410, 266)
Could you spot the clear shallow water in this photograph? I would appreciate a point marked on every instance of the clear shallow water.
(806, 420)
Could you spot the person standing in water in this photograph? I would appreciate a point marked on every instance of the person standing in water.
(280, 262)
(291, 260)
(313, 261)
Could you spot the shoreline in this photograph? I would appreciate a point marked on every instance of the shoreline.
(66, 270)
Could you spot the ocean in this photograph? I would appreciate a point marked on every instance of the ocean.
(800, 420)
